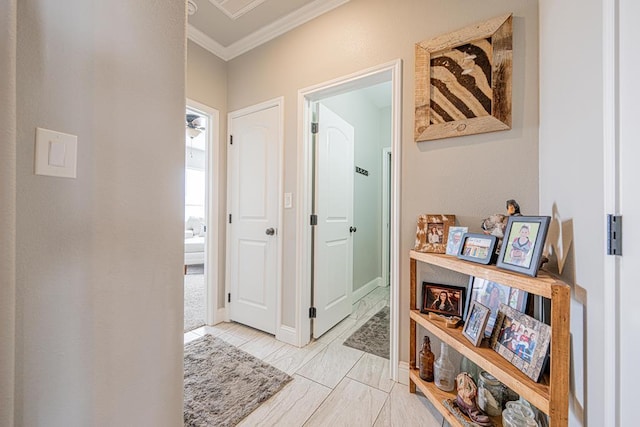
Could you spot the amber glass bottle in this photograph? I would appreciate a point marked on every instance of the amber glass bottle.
(426, 360)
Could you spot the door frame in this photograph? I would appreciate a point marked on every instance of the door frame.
(283, 333)
(212, 211)
(390, 71)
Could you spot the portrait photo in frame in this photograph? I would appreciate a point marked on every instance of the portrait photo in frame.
(478, 248)
(463, 81)
(492, 295)
(432, 232)
(522, 340)
(446, 300)
(476, 323)
(522, 245)
(454, 239)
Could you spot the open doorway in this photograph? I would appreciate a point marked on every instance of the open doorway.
(367, 173)
(201, 216)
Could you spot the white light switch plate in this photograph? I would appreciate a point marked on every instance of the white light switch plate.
(56, 153)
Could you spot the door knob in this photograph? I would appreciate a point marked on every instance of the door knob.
(270, 231)
(352, 229)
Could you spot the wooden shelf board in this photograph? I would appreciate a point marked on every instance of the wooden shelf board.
(436, 396)
(537, 394)
(542, 285)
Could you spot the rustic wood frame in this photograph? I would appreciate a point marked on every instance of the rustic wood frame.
(499, 32)
(422, 241)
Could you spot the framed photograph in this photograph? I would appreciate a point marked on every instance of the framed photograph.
(477, 247)
(444, 299)
(522, 340)
(454, 239)
(432, 232)
(492, 294)
(523, 242)
(463, 81)
(476, 323)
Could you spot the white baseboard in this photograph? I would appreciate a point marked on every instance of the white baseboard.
(365, 289)
(221, 315)
(287, 334)
(403, 373)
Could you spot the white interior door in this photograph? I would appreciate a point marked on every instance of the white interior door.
(333, 264)
(254, 209)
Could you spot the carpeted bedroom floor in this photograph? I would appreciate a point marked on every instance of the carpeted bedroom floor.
(194, 311)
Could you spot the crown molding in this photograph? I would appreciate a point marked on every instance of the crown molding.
(200, 38)
(265, 34)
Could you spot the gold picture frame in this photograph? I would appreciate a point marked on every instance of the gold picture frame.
(432, 232)
(463, 81)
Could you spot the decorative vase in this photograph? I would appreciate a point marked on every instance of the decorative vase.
(444, 372)
(426, 360)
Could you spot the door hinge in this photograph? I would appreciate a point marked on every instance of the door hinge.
(314, 127)
(313, 220)
(614, 234)
(312, 312)
(229, 218)
(229, 297)
(230, 139)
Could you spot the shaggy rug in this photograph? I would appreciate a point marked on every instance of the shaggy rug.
(373, 336)
(193, 301)
(223, 384)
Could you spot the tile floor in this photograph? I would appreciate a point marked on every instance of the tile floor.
(334, 385)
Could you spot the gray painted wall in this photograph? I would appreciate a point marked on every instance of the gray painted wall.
(99, 258)
(7, 208)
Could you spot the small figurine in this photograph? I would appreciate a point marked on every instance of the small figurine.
(466, 400)
(513, 208)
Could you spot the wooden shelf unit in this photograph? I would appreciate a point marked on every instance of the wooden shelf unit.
(552, 399)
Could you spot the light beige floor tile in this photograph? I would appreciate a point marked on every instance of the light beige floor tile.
(190, 336)
(291, 406)
(262, 346)
(289, 358)
(337, 330)
(404, 409)
(374, 371)
(232, 339)
(218, 329)
(246, 333)
(350, 404)
(331, 364)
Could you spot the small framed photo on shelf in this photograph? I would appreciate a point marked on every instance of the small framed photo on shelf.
(523, 243)
(477, 248)
(444, 299)
(454, 239)
(476, 323)
(432, 232)
(492, 294)
(522, 340)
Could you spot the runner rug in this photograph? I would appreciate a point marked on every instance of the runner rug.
(223, 384)
(373, 336)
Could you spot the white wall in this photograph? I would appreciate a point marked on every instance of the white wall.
(369, 123)
(467, 176)
(7, 207)
(99, 258)
(571, 180)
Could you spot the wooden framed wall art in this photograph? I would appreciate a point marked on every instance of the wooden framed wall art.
(463, 81)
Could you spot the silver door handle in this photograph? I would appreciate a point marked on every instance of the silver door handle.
(270, 231)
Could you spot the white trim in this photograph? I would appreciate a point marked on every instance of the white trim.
(384, 72)
(200, 38)
(281, 334)
(221, 315)
(287, 334)
(363, 290)
(403, 373)
(247, 8)
(266, 33)
(212, 202)
(386, 202)
(610, 79)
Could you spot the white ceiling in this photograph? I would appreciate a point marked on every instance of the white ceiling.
(229, 28)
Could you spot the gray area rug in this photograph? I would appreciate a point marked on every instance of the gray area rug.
(223, 384)
(193, 301)
(373, 336)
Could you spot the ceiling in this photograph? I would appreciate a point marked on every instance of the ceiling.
(229, 28)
